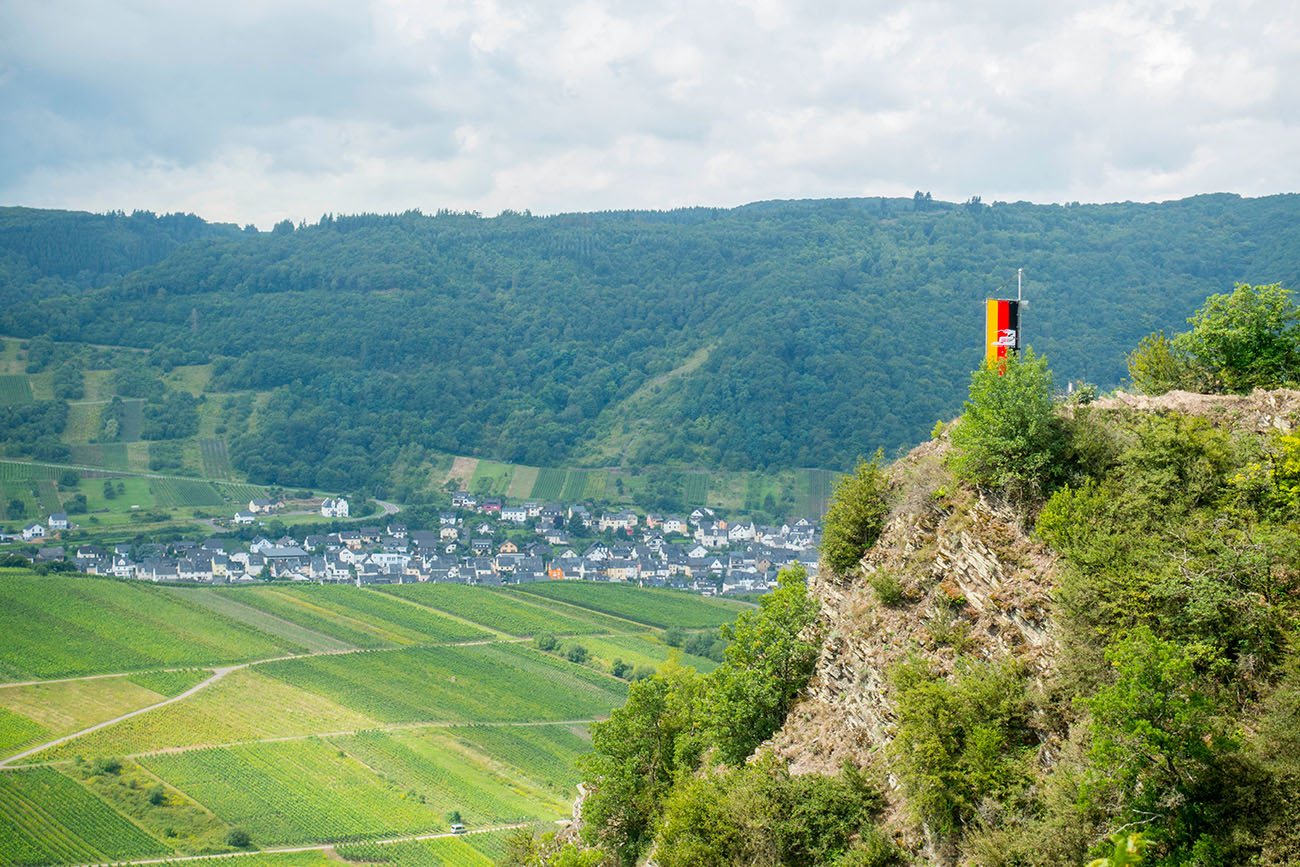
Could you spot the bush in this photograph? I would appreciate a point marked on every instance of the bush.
(576, 653)
(157, 795)
(1010, 436)
(1156, 366)
(856, 515)
(545, 641)
(237, 837)
(889, 590)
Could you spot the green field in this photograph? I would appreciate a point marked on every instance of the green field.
(64, 707)
(171, 682)
(491, 478)
(11, 471)
(440, 852)
(813, 489)
(242, 706)
(83, 422)
(173, 493)
(696, 491)
(293, 792)
(17, 731)
(15, 388)
(575, 486)
(215, 457)
(47, 818)
(360, 618)
(110, 626)
(132, 420)
(490, 682)
(550, 485)
(653, 607)
(496, 610)
(639, 650)
(545, 754)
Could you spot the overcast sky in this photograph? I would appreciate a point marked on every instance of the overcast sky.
(258, 111)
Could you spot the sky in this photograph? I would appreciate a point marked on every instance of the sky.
(254, 112)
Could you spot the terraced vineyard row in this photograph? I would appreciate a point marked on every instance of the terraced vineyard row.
(442, 852)
(46, 818)
(543, 753)
(654, 607)
(110, 626)
(172, 493)
(215, 457)
(15, 388)
(496, 610)
(438, 773)
(293, 792)
(478, 683)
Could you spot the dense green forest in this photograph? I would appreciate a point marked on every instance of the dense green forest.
(775, 335)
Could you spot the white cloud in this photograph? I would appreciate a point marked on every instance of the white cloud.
(258, 111)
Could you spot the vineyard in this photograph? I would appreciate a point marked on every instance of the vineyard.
(110, 626)
(64, 707)
(293, 792)
(653, 607)
(814, 489)
(243, 706)
(172, 493)
(498, 611)
(358, 617)
(242, 493)
(47, 818)
(12, 471)
(441, 852)
(446, 775)
(575, 486)
(550, 484)
(14, 388)
(542, 753)
(490, 682)
(170, 683)
(215, 457)
(697, 489)
(18, 731)
(294, 634)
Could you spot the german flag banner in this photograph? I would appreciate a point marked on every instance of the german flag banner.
(1001, 329)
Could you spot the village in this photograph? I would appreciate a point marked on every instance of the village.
(476, 542)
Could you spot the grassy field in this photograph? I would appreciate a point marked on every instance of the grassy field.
(653, 607)
(47, 818)
(110, 626)
(495, 610)
(61, 708)
(491, 478)
(491, 682)
(522, 483)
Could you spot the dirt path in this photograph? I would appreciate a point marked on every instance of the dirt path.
(217, 674)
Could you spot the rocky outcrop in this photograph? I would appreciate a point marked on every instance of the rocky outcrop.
(952, 573)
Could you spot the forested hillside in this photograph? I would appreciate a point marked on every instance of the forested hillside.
(776, 335)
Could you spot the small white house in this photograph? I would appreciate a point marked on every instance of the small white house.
(334, 508)
(58, 521)
(244, 518)
(33, 531)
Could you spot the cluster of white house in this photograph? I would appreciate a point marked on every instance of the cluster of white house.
(333, 507)
(696, 553)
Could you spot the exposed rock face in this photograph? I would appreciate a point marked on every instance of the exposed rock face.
(1260, 411)
(952, 572)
